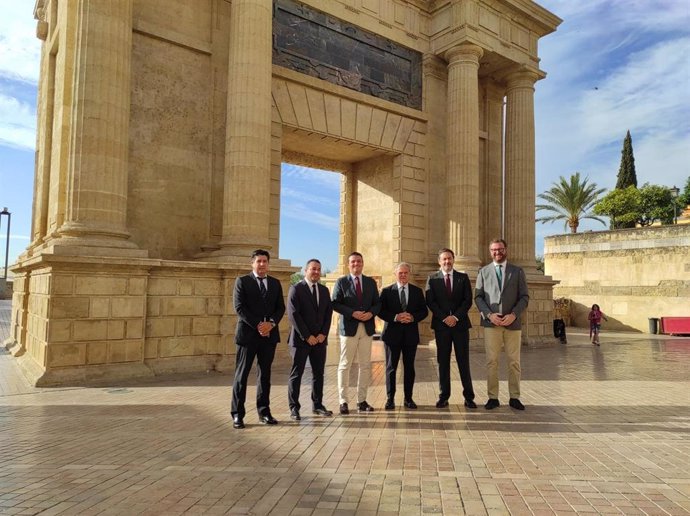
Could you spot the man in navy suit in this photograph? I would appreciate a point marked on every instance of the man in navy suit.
(449, 297)
(356, 298)
(501, 296)
(402, 307)
(309, 312)
(258, 300)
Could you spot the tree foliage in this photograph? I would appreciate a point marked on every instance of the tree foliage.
(643, 206)
(621, 206)
(684, 197)
(570, 201)
(626, 172)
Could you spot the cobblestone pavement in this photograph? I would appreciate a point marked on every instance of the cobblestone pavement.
(606, 431)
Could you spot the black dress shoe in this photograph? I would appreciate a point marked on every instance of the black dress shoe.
(410, 404)
(323, 411)
(470, 404)
(294, 414)
(516, 404)
(441, 403)
(492, 404)
(237, 422)
(344, 410)
(390, 404)
(268, 419)
(363, 406)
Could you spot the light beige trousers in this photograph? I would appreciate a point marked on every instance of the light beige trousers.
(494, 340)
(359, 345)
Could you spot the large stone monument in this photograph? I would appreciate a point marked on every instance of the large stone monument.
(162, 128)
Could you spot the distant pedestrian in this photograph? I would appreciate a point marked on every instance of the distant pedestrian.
(595, 316)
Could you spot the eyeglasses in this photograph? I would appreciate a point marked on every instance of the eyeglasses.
(500, 249)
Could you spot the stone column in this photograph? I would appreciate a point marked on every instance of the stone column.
(462, 154)
(96, 201)
(247, 186)
(491, 196)
(519, 168)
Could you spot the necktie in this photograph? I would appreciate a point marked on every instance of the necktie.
(313, 294)
(449, 288)
(499, 275)
(403, 299)
(262, 287)
(358, 289)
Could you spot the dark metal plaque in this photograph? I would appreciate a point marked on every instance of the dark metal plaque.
(319, 45)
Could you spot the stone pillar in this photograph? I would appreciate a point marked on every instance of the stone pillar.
(99, 152)
(247, 186)
(491, 197)
(462, 154)
(519, 168)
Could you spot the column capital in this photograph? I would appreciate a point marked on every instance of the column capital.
(523, 78)
(435, 66)
(467, 52)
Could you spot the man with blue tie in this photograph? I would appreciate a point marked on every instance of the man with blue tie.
(402, 308)
(449, 297)
(309, 311)
(356, 298)
(501, 296)
(259, 304)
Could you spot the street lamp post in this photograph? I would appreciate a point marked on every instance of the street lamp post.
(674, 195)
(7, 241)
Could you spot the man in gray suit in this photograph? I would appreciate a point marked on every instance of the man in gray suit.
(501, 297)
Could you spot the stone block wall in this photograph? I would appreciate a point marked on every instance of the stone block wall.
(82, 320)
(633, 274)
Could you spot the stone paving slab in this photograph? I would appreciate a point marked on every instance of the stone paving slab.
(606, 431)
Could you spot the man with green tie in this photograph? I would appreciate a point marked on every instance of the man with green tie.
(501, 296)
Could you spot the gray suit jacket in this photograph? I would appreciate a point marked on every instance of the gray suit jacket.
(512, 298)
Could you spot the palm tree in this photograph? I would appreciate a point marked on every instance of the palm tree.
(570, 201)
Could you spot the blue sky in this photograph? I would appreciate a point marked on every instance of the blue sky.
(613, 66)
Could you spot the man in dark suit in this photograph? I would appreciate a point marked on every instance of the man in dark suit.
(258, 300)
(449, 297)
(356, 298)
(309, 312)
(501, 296)
(402, 307)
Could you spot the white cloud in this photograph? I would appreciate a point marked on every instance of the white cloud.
(312, 175)
(20, 49)
(302, 212)
(17, 123)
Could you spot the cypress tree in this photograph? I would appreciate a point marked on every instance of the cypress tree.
(626, 173)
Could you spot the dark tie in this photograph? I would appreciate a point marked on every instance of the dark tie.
(358, 289)
(262, 288)
(403, 299)
(313, 294)
(449, 288)
(499, 275)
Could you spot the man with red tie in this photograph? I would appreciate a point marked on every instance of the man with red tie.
(449, 297)
(356, 298)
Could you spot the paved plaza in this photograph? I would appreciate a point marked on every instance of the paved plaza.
(606, 431)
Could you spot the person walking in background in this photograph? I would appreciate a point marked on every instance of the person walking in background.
(258, 300)
(595, 316)
(402, 307)
(356, 298)
(309, 312)
(449, 297)
(501, 296)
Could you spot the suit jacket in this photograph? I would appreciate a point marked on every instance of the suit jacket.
(305, 316)
(393, 331)
(442, 305)
(513, 297)
(252, 309)
(345, 302)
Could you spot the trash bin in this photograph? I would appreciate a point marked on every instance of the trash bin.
(653, 325)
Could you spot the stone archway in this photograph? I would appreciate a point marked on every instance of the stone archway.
(160, 137)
